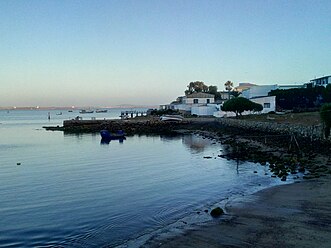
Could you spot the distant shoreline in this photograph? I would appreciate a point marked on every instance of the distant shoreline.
(78, 107)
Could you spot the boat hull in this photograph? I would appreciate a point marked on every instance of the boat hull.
(171, 118)
(106, 135)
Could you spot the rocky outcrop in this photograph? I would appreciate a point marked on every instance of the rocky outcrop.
(216, 212)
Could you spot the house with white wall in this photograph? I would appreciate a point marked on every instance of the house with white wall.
(268, 103)
(201, 104)
(257, 94)
(199, 98)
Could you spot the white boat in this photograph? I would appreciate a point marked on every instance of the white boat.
(101, 111)
(171, 118)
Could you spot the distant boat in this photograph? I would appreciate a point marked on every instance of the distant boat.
(59, 113)
(69, 110)
(101, 111)
(171, 118)
(84, 111)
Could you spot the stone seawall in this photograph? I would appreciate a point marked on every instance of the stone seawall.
(311, 132)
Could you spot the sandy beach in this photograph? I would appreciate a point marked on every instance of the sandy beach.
(293, 215)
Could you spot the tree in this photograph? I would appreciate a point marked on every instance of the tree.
(212, 90)
(195, 87)
(239, 105)
(235, 93)
(325, 114)
(228, 85)
(256, 107)
(301, 98)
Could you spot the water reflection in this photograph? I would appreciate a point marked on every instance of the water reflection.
(105, 141)
(170, 137)
(195, 143)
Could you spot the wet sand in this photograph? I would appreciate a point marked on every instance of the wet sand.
(293, 215)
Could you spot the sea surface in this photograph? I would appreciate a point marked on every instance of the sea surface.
(60, 190)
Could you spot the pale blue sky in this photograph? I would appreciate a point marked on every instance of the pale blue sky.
(103, 53)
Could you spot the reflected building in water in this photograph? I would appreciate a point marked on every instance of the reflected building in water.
(195, 143)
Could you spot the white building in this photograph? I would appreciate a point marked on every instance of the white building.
(258, 90)
(257, 94)
(200, 104)
(322, 81)
(268, 103)
(205, 110)
(199, 98)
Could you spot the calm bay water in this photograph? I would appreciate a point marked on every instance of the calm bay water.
(72, 191)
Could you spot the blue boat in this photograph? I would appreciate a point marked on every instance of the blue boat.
(106, 135)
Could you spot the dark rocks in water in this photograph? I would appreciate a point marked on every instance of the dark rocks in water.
(255, 171)
(206, 210)
(18, 163)
(208, 157)
(216, 212)
(283, 178)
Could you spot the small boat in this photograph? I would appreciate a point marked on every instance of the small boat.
(84, 111)
(59, 113)
(106, 135)
(171, 118)
(101, 111)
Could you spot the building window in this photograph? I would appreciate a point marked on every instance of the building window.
(208, 100)
(195, 100)
(266, 105)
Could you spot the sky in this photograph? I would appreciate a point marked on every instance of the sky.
(146, 52)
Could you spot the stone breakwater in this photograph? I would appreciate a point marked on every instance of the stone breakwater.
(130, 127)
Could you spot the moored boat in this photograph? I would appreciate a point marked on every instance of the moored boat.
(84, 111)
(171, 118)
(105, 134)
(101, 111)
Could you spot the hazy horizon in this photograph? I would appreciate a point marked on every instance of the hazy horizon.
(107, 52)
